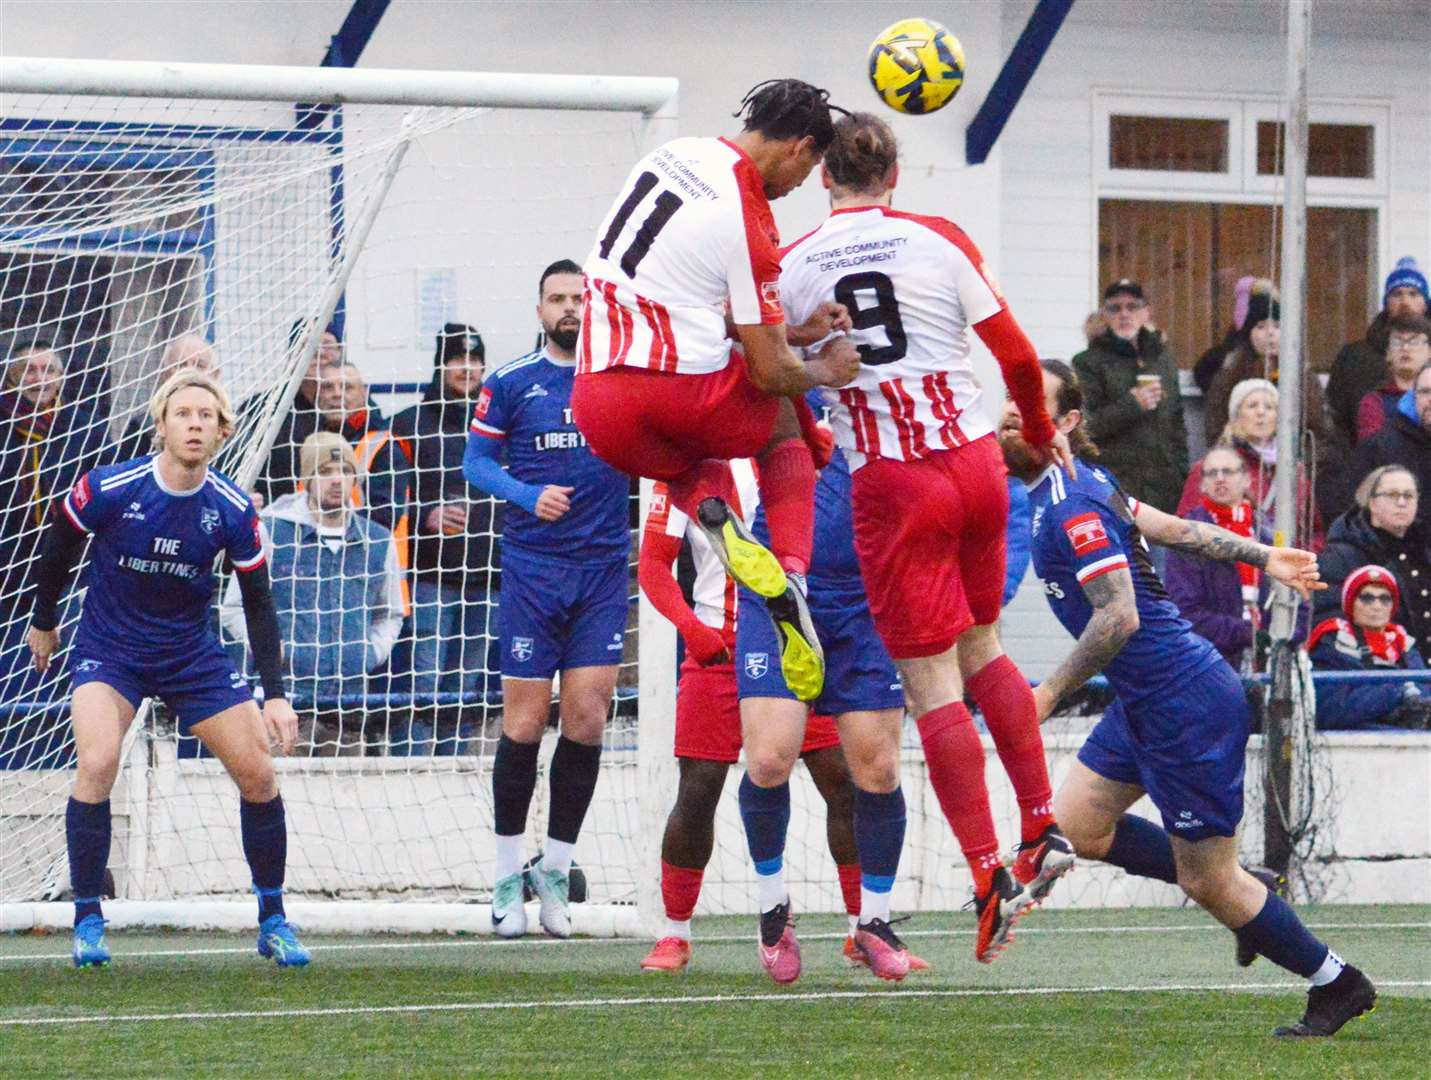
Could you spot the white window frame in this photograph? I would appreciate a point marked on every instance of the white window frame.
(1373, 115)
(1228, 110)
(1241, 184)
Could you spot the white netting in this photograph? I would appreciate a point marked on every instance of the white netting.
(137, 232)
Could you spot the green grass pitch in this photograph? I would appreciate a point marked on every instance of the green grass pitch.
(1147, 993)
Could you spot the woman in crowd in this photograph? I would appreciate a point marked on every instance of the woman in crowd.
(1251, 430)
(1366, 638)
(1256, 356)
(1381, 529)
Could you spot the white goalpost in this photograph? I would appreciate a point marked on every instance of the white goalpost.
(252, 207)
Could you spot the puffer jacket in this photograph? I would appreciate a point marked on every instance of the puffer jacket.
(1403, 441)
(1336, 645)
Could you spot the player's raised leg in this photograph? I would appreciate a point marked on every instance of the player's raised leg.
(1006, 701)
(237, 737)
(100, 715)
(954, 758)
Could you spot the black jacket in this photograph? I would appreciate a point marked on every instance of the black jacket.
(1360, 367)
(280, 475)
(1400, 442)
(1352, 542)
(1147, 451)
(433, 437)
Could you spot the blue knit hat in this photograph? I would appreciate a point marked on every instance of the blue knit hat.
(1407, 272)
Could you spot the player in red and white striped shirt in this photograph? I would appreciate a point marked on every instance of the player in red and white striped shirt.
(663, 391)
(930, 495)
(708, 724)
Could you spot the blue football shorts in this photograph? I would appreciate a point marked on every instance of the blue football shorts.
(556, 616)
(195, 685)
(1187, 750)
(859, 675)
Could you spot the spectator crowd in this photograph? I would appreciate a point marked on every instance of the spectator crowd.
(385, 561)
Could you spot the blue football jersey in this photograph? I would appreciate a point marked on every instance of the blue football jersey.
(150, 579)
(527, 404)
(1083, 528)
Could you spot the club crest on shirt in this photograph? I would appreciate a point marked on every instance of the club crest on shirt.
(209, 520)
(522, 648)
(1086, 533)
(757, 664)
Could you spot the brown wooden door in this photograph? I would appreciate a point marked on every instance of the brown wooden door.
(1189, 255)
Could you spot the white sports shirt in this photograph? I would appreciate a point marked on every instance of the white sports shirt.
(690, 233)
(913, 286)
(714, 594)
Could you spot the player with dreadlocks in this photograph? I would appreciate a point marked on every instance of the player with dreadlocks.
(685, 360)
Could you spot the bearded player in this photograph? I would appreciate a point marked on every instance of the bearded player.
(1177, 729)
(157, 524)
(930, 497)
(662, 390)
(708, 730)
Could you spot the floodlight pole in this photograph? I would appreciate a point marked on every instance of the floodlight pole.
(1278, 728)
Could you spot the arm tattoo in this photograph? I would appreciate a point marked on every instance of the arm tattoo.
(1113, 623)
(1211, 542)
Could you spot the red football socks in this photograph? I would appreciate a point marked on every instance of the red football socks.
(706, 479)
(787, 488)
(954, 757)
(850, 886)
(1004, 697)
(680, 889)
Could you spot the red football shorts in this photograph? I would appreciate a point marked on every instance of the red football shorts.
(931, 538)
(708, 717)
(654, 424)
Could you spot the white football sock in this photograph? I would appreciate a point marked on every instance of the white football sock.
(1331, 967)
(678, 929)
(873, 905)
(557, 856)
(509, 855)
(854, 924)
(770, 890)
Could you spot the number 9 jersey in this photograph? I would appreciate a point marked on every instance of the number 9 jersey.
(913, 285)
(690, 233)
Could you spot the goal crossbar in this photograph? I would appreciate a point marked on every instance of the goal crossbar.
(649, 95)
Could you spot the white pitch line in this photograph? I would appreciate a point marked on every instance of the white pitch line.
(724, 939)
(680, 999)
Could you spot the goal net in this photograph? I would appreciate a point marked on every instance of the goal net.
(140, 233)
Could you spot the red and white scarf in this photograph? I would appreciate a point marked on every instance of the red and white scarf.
(1238, 519)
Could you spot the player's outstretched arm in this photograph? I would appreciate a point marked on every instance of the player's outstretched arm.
(1292, 567)
(658, 553)
(1114, 621)
(775, 369)
(59, 551)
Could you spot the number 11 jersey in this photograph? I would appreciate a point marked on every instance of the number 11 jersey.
(690, 233)
(914, 285)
